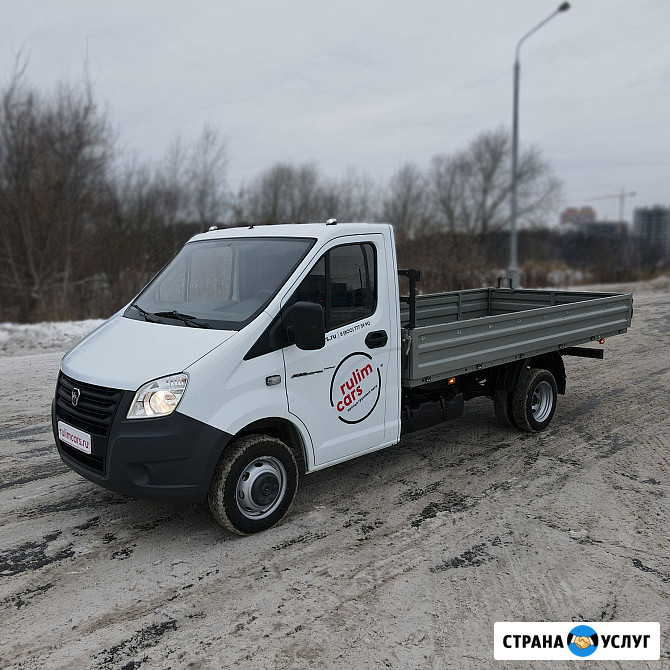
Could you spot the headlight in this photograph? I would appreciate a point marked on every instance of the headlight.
(159, 397)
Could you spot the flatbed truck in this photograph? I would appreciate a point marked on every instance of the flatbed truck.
(260, 354)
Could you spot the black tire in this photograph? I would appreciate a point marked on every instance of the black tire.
(502, 404)
(534, 404)
(254, 484)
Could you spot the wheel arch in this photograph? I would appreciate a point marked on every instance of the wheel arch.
(283, 430)
(510, 376)
(553, 362)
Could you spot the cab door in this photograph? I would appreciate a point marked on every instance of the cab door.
(338, 392)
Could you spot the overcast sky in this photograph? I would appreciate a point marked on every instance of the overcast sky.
(371, 83)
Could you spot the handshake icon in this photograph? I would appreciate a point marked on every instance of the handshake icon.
(582, 641)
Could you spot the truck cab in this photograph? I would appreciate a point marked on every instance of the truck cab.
(206, 355)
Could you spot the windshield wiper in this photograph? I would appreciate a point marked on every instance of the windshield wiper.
(145, 314)
(185, 318)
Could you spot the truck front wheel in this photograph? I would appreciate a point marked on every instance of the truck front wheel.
(534, 403)
(253, 485)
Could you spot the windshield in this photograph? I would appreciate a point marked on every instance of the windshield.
(221, 283)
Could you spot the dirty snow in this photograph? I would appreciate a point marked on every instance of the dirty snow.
(20, 339)
(400, 559)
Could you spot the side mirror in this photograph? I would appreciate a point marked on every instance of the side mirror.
(305, 326)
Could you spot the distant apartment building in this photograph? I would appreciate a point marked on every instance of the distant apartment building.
(578, 216)
(585, 220)
(652, 227)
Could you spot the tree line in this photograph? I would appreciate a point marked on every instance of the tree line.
(83, 227)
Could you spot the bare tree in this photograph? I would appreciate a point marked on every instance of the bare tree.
(447, 218)
(54, 153)
(357, 197)
(172, 177)
(207, 174)
(283, 193)
(80, 232)
(449, 176)
(471, 188)
(406, 203)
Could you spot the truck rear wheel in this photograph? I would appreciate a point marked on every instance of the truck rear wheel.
(502, 404)
(253, 485)
(534, 403)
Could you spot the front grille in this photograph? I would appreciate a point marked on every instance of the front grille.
(94, 411)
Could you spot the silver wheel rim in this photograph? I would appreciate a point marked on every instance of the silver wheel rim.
(542, 401)
(261, 488)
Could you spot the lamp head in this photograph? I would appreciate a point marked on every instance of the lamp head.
(564, 6)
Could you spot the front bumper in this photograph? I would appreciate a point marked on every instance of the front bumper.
(170, 457)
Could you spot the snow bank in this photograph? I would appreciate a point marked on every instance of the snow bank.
(660, 284)
(17, 339)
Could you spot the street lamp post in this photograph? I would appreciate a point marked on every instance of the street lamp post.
(513, 267)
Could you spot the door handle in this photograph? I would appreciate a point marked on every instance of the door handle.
(376, 339)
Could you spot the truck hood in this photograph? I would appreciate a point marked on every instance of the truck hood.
(125, 353)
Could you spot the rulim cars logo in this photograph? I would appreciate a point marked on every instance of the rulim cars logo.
(355, 388)
(567, 641)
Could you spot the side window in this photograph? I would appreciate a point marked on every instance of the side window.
(352, 284)
(343, 282)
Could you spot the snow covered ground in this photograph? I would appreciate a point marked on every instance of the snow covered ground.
(401, 559)
(21, 339)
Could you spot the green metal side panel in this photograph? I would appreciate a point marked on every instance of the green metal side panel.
(518, 327)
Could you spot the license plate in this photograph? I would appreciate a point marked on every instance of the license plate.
(75, 438)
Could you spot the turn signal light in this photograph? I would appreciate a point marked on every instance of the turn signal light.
(452, 380)
(601, 340)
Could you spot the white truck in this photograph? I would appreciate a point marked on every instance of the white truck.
(263, 353)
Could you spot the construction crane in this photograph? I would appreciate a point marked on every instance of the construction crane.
(621, 197)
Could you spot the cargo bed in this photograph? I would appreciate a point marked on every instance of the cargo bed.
(464, 331)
